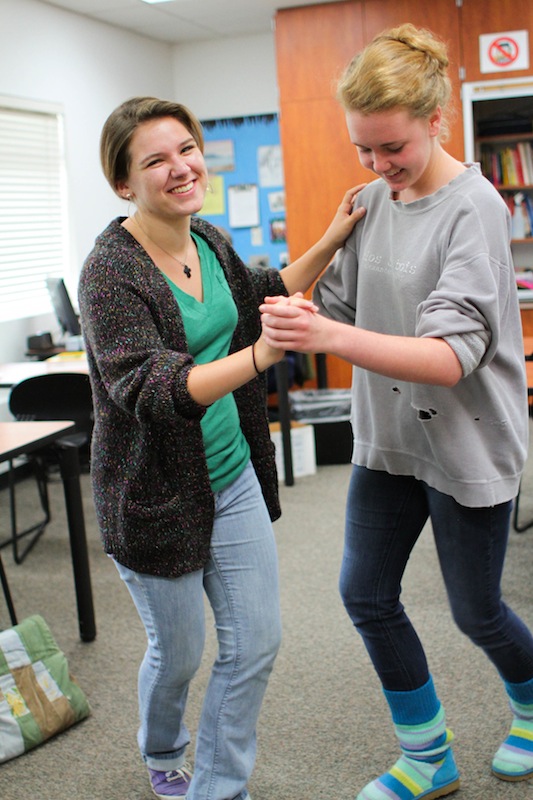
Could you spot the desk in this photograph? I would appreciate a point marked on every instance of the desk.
(15, 371)
(19, 438)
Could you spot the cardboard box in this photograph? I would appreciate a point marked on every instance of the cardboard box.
(303, 449)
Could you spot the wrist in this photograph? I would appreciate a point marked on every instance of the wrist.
(258, 371)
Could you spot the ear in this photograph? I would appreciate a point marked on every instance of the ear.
(435, 121)
(123, 190)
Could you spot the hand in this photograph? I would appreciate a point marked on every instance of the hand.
(345, 219)
(296, 299)
(292, 323)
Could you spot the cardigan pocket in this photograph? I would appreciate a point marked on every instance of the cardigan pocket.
(167, 536)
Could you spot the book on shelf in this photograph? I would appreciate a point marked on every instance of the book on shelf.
(509, 174)
(520, 220)
(495, 172)
(528, 206)
(524, 278)
(517, 161)
(509, 166)
(524, 285)
(525, 152)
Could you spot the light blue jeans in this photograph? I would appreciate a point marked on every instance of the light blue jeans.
(241, 583)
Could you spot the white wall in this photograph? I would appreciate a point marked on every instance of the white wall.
(53, 55)
(227, 78)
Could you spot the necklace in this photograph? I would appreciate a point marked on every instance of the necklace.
(186, 269)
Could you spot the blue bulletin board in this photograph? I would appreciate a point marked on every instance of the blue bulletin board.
(247, 199)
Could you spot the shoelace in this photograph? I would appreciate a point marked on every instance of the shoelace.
(176, 774)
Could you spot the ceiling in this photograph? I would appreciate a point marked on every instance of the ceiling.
(180, 21)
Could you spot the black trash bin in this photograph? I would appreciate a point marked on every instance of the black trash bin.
(328, 411)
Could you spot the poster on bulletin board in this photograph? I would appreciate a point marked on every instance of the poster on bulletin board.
(270, 165)
(214, 197)
(243, 205)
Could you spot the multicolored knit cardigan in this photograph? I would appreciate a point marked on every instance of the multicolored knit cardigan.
(151, 487)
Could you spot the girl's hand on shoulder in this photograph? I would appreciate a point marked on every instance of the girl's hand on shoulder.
(345, 218)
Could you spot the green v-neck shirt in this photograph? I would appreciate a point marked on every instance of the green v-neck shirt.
(209, 328)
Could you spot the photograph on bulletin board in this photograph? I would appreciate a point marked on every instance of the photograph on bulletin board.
(276, 202)
(219, 156)
(278, 230)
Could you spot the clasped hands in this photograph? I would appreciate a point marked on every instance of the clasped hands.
(292, 323)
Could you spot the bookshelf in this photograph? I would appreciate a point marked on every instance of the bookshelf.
(507, 160)
(498, 129)
(497, 118)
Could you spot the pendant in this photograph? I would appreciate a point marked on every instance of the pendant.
(187, 270)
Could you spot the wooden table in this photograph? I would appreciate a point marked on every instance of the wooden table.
(20, 438)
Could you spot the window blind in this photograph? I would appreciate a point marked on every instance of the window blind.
(32, 208)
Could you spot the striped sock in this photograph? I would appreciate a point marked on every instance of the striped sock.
(426, 768)
(514, 759)
(412, 779)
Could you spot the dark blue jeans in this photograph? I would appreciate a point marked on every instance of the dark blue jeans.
(384, 518)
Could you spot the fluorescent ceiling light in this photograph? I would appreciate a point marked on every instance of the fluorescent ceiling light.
(156, 1)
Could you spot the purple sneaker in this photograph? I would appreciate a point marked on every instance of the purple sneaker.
(173, 783)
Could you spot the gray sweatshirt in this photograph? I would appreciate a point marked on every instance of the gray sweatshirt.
(438, 267)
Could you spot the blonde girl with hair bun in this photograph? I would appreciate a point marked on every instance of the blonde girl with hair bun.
(422, 300)
(405, 67)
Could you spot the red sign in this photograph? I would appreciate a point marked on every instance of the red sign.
(503, 51)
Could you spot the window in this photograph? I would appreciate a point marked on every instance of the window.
(33, 218)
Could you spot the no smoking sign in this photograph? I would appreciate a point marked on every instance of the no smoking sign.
(504, 52)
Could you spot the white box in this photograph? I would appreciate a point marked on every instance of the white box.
(303, 449)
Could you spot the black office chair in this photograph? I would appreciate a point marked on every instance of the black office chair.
(56, 396)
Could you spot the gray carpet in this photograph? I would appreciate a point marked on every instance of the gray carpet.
(325, 730)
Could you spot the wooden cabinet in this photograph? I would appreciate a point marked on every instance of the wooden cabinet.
(313, 45)
(319, 161)
(306, 61)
